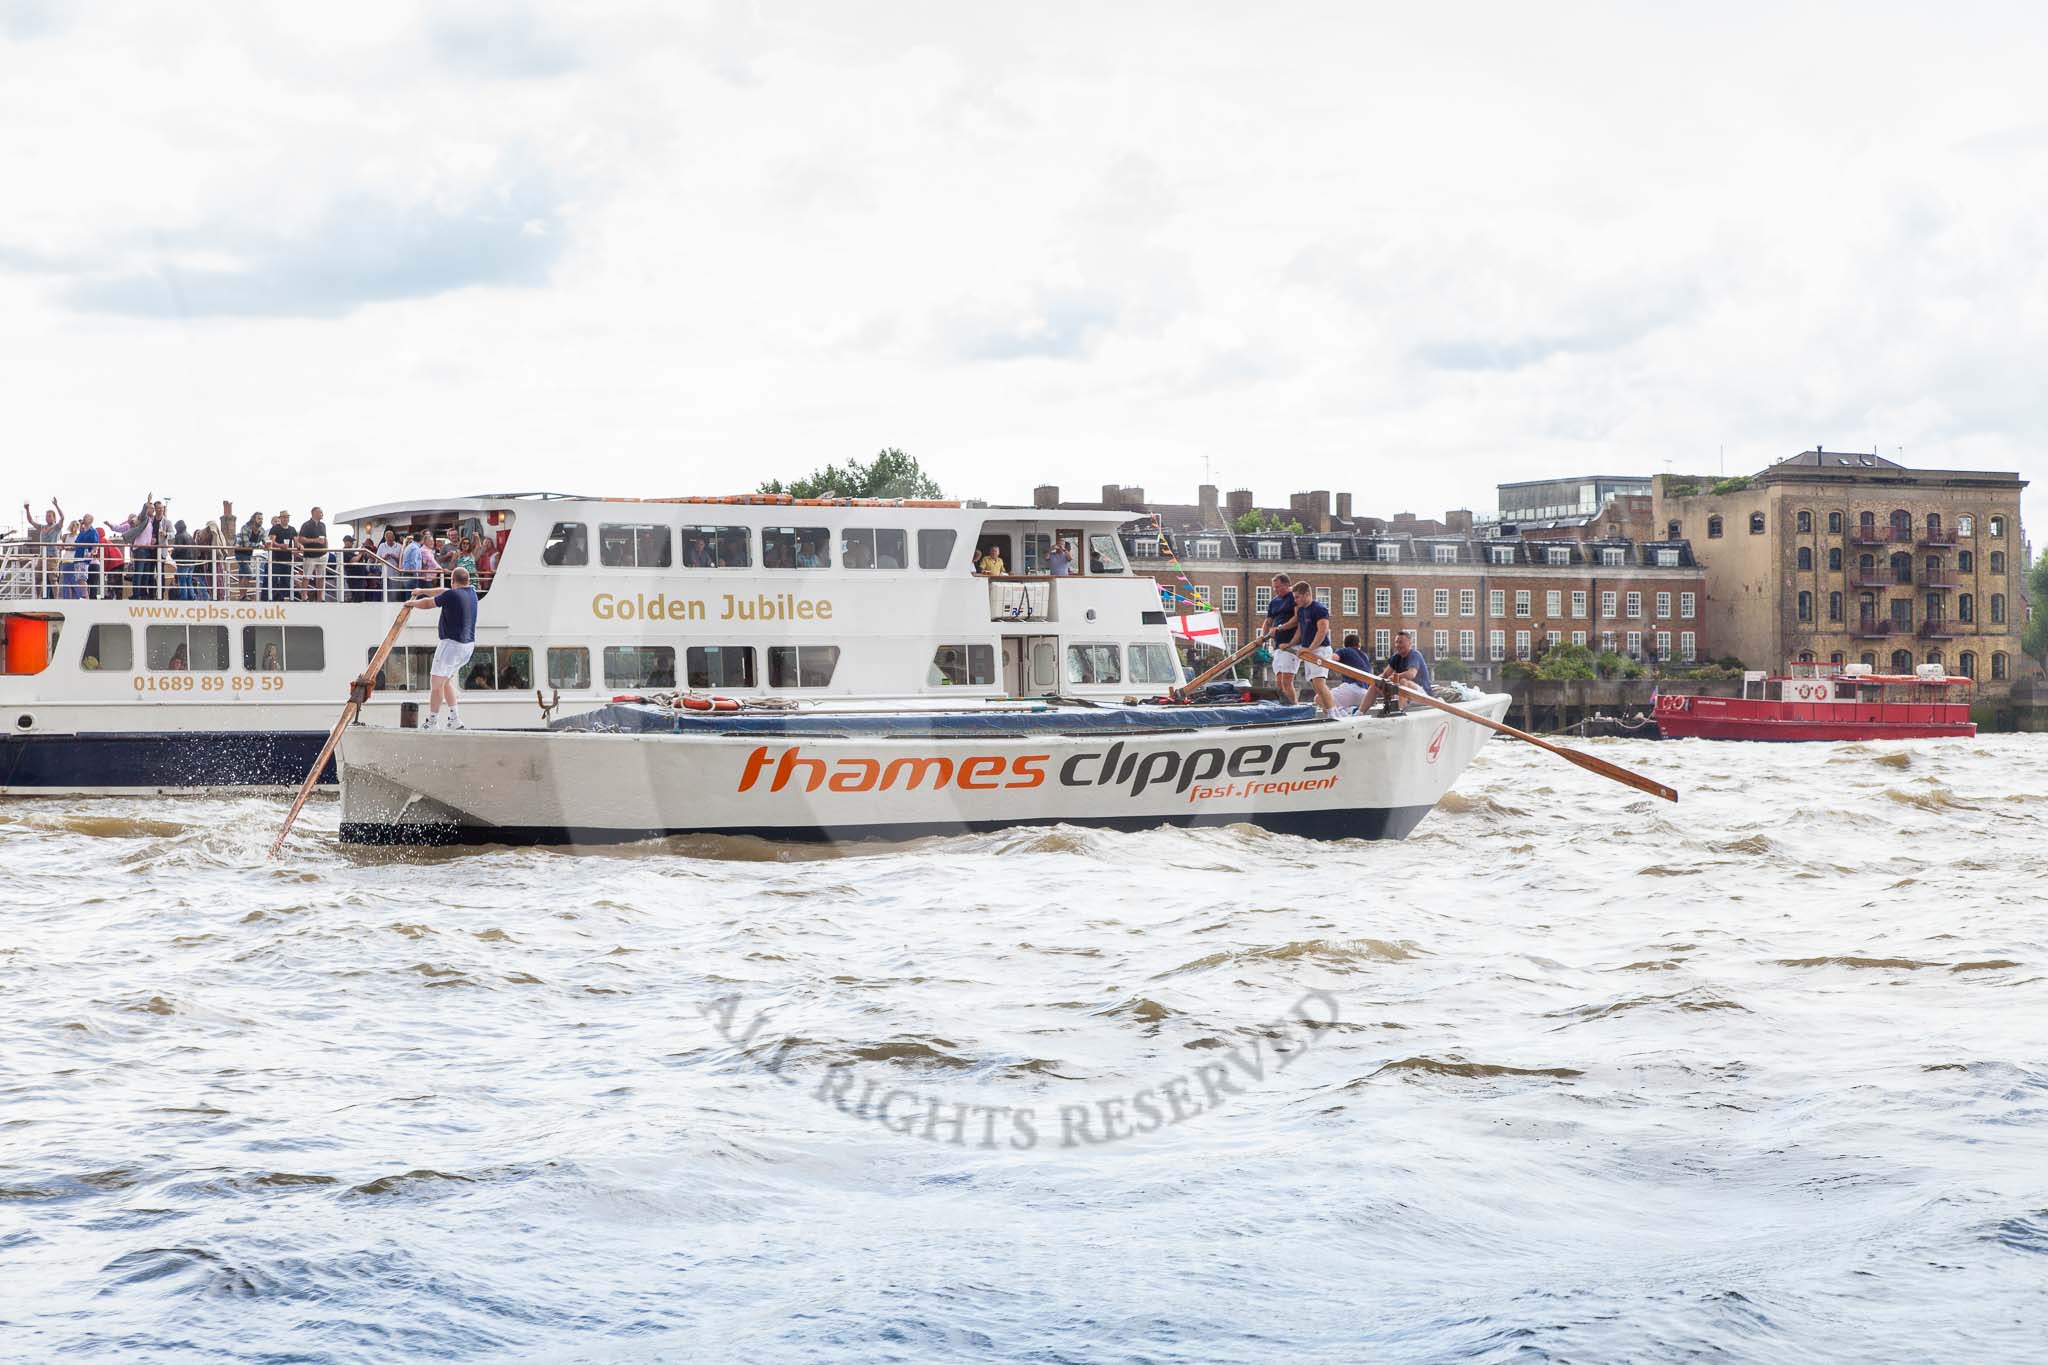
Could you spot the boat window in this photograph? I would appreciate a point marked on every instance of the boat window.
(1037, 554)
(717, 547)
(286, 649)
(567, 543)
(935, 548)
(639, 666)
(408, 668)
(1105, 555)
(963, 666)
(508, 668)
(179, 648)
(1093, 664)
(796, 547)
(568, 666)
(802, 665)
(110, 648)
(720, 665)
(998, 546)
(862, 547)
(1154, 663)
(632, 545)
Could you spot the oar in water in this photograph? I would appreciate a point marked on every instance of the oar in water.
(358, 692)
(1180, 693)
(1613, 771)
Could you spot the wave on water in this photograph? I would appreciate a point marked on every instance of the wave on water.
(1476, 1071)
(1902, 964)
(1459, 803)
(1342, 954)
(1933, 799)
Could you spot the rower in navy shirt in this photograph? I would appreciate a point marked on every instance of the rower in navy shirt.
(1312, 638)
(1352, 656)
(1280, 636)
(1406, 667)
(1348, 694)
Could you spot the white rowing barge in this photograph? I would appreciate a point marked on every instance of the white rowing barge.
(637, 771)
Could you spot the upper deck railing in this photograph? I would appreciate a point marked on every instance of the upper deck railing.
(67, 571)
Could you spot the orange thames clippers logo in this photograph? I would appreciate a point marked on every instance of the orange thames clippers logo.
(1244, 770)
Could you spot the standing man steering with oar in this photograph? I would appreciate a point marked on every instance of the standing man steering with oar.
(458, 642)
(1312, 642)
(1280, 634)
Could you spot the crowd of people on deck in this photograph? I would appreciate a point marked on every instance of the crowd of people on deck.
(150, 555)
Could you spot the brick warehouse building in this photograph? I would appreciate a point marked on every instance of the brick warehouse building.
(1481, 599)
(1849, 557)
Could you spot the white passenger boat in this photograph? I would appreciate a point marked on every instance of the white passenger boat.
(640, 771)
(209, 671)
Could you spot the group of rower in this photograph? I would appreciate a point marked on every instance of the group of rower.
(1299, 632)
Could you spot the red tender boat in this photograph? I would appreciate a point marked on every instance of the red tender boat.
(1825, 701)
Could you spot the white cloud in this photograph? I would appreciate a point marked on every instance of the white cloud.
(653, 248)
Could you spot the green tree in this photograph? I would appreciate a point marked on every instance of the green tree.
(2034, 640)
(1566, 662)
(891, 474)
(1451, 668)
(1255, 521)
(1613, 665)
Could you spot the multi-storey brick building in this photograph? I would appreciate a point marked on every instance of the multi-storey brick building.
(1854, 558)
(1483, 600)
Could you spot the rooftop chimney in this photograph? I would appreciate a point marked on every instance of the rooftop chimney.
(1112, 495)
(1238, 503)
(1046, 495)
(1459, 520)
(1210, 515)
(1343, 507)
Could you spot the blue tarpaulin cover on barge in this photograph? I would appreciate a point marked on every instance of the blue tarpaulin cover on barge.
(643, 718)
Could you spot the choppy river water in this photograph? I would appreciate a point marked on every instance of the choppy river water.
(1569, 1074)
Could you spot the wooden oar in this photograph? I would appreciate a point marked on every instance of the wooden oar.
(358, 692)
(1180, 693)
(1613, 771)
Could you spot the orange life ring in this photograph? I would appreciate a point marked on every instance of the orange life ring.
(710, 703)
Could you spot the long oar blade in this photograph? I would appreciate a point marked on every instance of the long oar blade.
(1612, 771)
(358, 692)
(1215, 669)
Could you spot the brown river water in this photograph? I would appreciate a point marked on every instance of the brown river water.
(1570, 1074)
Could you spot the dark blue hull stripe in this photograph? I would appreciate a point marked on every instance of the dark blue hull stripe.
(154, 759)
(1389, 823)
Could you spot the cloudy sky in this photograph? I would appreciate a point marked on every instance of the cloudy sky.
(288, 253)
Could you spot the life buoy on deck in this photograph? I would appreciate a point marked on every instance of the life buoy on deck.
(710, 703)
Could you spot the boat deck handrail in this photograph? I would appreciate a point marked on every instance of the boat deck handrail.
(67, 571)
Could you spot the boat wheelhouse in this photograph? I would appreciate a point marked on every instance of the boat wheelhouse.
(1820, 701)
(224, 666)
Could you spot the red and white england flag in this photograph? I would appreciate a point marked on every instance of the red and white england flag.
(1204, 628)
